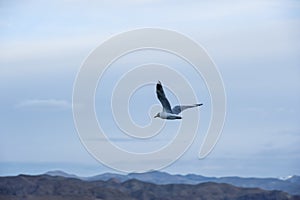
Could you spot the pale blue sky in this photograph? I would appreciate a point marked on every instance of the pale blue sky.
(255, 44)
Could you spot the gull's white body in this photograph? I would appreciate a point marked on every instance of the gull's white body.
(165, 115)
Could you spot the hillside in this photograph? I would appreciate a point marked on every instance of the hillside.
(44, 187)
(290, 185)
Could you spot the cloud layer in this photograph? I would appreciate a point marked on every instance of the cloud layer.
(44, 104)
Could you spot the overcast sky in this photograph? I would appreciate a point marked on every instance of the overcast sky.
(255, 44)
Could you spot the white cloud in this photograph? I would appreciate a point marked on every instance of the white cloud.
(44, 103)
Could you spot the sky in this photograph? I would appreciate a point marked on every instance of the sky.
(254, 44)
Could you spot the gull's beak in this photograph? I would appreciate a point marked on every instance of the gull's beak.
(156, 116)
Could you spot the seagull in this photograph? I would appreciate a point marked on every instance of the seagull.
(167, 112)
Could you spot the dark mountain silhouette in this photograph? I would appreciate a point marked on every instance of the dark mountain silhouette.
(44, 187)
(290, 185)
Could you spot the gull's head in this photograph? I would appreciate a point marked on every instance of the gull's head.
(157, 115)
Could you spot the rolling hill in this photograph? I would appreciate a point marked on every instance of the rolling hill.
(290, 185)
(45, 187)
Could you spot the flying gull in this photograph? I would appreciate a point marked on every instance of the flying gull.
(167, 112)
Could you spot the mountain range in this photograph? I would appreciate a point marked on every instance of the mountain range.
(290, 185)
(46, 187)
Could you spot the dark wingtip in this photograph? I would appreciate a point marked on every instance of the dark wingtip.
(199, 104)
(158, 86)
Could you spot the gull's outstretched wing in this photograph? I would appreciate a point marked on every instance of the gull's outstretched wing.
(178, 109)
(162, 98)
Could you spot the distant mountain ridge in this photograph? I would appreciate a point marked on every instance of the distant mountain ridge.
(45, 187)
(62, 174)
(290, 185)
